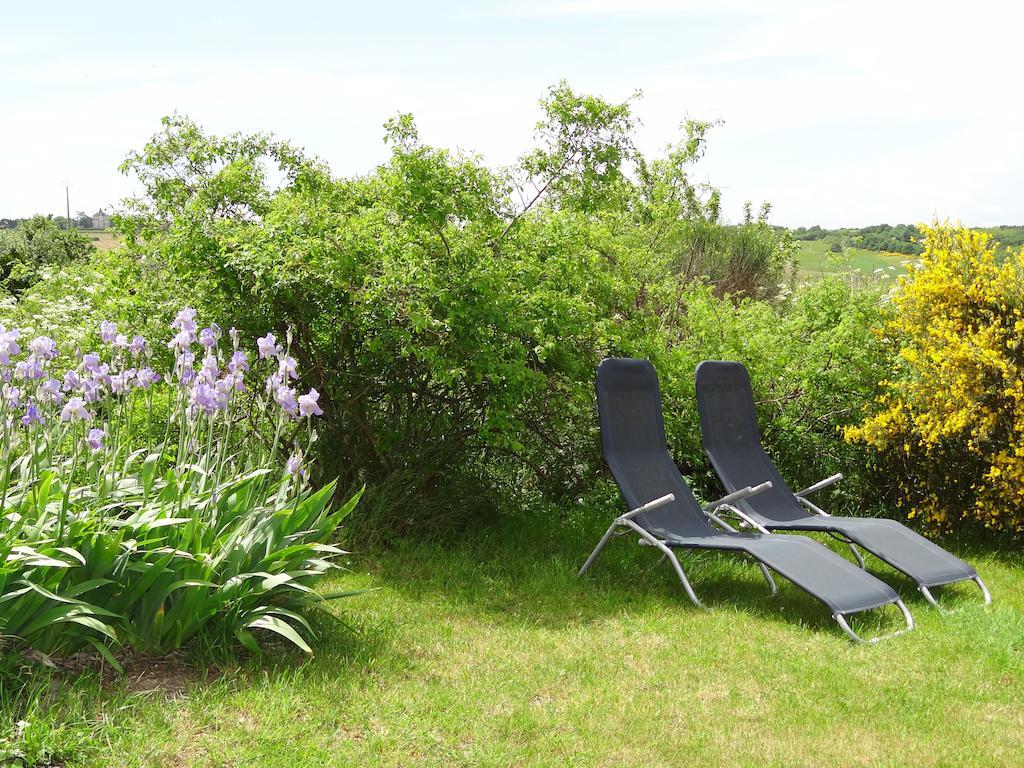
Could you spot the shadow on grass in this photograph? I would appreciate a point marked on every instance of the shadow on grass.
(523, 573)
(517, 572)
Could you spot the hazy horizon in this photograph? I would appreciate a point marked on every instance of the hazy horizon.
(839, 114)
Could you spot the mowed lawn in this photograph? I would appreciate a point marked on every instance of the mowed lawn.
(492, 653)
(814, 258)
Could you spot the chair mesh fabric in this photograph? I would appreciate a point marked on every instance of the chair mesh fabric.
(732, 441)
(636, 450)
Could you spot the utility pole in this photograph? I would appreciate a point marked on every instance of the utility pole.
(67, 200)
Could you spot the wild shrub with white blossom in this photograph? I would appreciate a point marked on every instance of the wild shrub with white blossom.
(107, 542)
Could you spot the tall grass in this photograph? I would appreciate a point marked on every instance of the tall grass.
(750, 259)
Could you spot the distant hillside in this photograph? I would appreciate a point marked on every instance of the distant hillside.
(880, 237)
(1011, 235)
(887, 238)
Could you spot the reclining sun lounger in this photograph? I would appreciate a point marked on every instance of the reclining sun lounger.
(665, 515)
(732, 442)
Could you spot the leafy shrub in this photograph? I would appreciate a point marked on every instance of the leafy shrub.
(35, 245)
(749, 260)
(950, 420)
(108, 543)
(70, 301)
(813, 363)
(451, 315)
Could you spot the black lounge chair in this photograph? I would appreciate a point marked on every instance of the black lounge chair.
(732, 442)
(664, 513)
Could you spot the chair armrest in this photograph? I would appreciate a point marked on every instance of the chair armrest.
(815, 509)
(819, 485)
(661, 501)
(742, 516)
(742, 493)
(716, 519)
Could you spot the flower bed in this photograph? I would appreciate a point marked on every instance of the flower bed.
(107, 539)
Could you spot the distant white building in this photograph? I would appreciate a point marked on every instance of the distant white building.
(101, 220)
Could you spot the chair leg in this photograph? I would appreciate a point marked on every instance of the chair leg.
(851, 545)
(857, 554)
(984, 590)
(597, 550)
(667, 552)
(682, 577)
(931, 598)
(768, 577)
(841, 620)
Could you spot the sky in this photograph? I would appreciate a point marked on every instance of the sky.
(838, 113)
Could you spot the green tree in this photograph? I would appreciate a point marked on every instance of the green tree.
(450, 315)
(33, 246)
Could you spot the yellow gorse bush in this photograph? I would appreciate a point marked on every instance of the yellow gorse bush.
(951, 420)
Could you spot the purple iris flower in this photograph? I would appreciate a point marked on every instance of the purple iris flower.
(288, 368)
(185, 320)
(183, 367)
(71, 381)
(208, 338)
(294, 466)
(122, 382)
(273, 382)
(75, 410)
(95, 439)
(43, 347)
(238, 363)
(108, 331)
(147, 377)
(182, 340)
(8, 344)
(209, 398)
(102, 375)
(308, 405)
(208, 373)
(49, 392)
(91, 390)
(32, 415)
(121, 341)
(91, 363)
(285, 397)
(138, 345)
(12, 395)
(268, 346)
(29, 369)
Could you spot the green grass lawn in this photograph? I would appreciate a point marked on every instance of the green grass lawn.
(491, 653)
(813, 259)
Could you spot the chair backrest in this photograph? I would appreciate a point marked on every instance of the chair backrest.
(732, 440)
(636, 450)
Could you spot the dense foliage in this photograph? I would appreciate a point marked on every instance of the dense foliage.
(34, 246)
(950, 422)
(813, 362)
(450, 315)
(106, 542)
(1007, 235)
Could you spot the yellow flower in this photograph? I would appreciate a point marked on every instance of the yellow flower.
(958, 403)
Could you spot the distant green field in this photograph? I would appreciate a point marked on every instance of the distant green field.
(814, 258)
